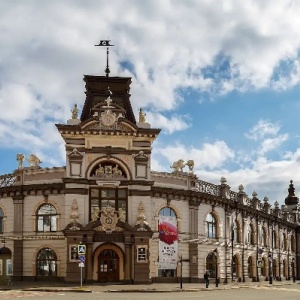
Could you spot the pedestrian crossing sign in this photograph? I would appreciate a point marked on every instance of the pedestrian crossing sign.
(81, 249)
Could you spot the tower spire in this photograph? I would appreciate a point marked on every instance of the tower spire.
(106, 43)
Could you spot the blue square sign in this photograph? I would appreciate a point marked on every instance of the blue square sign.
(82, 258)
(81, 249)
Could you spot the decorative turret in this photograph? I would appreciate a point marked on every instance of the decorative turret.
(291, 201)
(267, 205)
(255, 200)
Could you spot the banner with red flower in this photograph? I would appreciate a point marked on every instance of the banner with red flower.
(168, 243)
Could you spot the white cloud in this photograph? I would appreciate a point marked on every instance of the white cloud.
(267, 178)
(262, 129)
(210, 156)
(47, 46)
(175, 123)
(272, 143)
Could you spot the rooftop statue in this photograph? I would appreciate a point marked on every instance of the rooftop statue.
(20, 159)
(142, 116)
(75, 112)
(33, 160)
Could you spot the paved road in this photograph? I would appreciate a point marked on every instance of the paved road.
(258, 293)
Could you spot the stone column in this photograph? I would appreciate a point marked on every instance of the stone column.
(89, 262)
(127, 262)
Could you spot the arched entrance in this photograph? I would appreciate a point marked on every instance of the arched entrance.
(46, 264)
(236, 267)
(108, 263)
(251, 267)
(108, 269)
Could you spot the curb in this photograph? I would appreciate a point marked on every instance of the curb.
(54, 290)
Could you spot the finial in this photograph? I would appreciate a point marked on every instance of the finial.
(266, 199)
(254, 194)
(223, 180)
(241, 188)
(291, 189)
(106, 43)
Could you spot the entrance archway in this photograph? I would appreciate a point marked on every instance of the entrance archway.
(108, 266)
(251, 267)
(108, 263)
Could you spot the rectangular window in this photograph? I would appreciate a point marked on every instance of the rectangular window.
(142, 254)
(114, 197)
(9, 267)
(73, 253)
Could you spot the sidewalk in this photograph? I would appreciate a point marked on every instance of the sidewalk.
(150, 288)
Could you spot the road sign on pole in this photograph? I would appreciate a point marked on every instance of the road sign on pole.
(81, 249)
(82, 258)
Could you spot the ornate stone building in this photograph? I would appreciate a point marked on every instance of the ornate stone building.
(107, 199)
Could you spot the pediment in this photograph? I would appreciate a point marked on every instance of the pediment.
(109, 122)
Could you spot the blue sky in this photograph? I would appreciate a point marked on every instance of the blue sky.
(221, 78)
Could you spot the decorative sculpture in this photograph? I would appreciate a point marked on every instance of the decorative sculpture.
(141, 218)
(74, 216)
(33, 160)
(20, 159)
(100, 170)
(122, 215)
(95, 216)
(142, 116)
(178, 165)
(117, 171)
(75, 112)
(190, 164)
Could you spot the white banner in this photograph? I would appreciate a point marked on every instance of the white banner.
(168, 243)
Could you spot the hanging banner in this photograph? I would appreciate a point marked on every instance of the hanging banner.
(168, 243)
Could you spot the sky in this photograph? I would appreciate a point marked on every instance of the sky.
(220, 78)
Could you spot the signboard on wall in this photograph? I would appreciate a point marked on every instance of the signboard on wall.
(168, 243)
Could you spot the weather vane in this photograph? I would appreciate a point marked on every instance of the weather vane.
(106, 43)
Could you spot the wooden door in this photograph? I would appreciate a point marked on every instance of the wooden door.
(108, 268)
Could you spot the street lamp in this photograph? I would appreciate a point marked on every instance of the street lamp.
(270, 269)
(215, 252)
(232, 241)
(293, 269)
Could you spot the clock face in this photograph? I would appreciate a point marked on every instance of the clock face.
(109, 220)
(108, 119)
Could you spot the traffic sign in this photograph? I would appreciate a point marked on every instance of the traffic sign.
(81, 265)
(81, 249)
(82, 258)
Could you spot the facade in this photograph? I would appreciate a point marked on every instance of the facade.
(136, 225)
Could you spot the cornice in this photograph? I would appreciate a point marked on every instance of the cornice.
(25, 190)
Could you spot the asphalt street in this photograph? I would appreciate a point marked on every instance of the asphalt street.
(290, 292)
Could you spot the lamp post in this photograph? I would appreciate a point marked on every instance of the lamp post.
(232, 241)
(270, 269)
(293, 270)
(216, 268)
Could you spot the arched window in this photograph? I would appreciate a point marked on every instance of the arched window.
(167, 215)
(46, 218)
(285, 242)
(263, 237)
(236, 231)
(211, 263)
(293, 245)
(211, 226)
(46, 263)
(275, 240)
(251, 235)
(1, 221)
